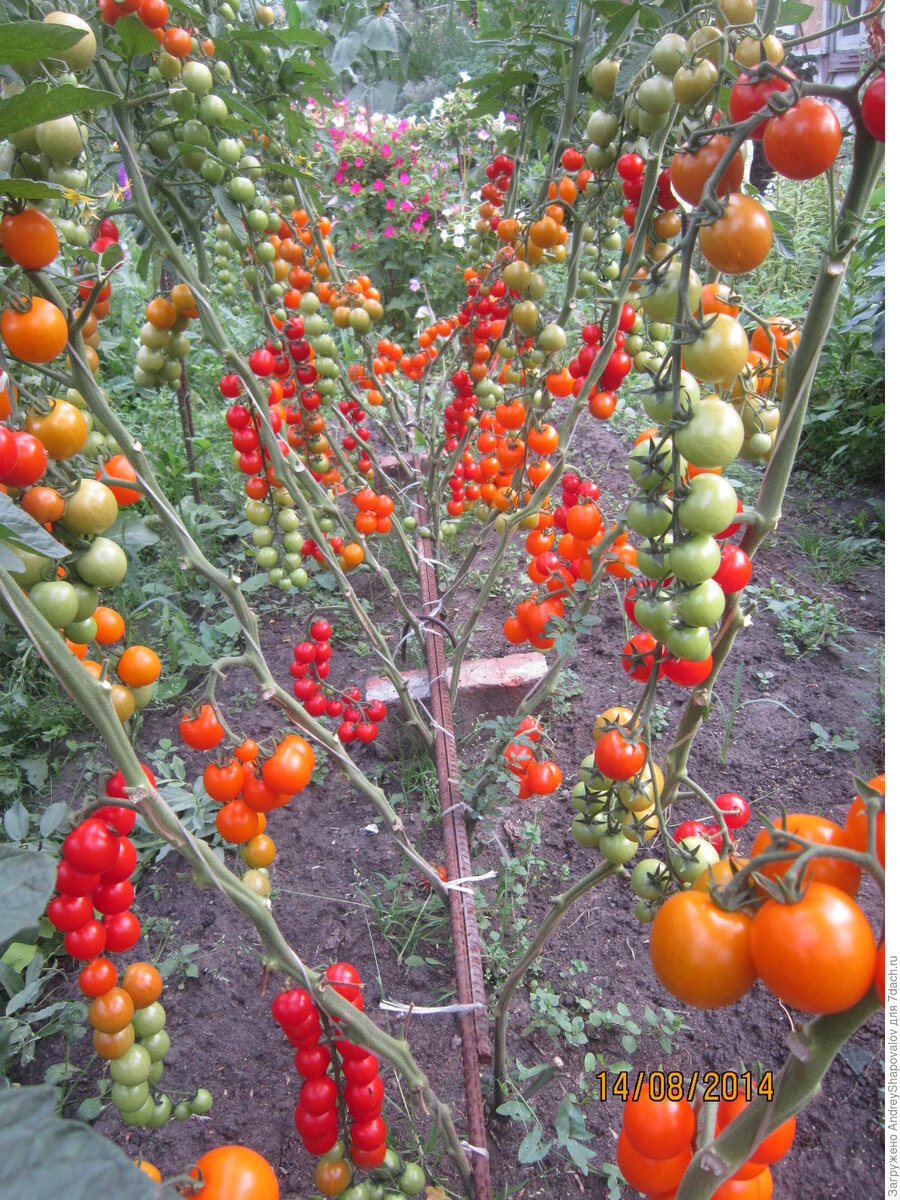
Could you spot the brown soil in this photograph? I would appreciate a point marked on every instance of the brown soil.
(329, 863)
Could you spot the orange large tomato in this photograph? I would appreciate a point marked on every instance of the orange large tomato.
(817, 955)
(740, 239)
(650, 1174)
(37, 335)
(835, 871)
(689, 172)
(856, 826)
(234, 1173)
(657, 1129)
(700, 953)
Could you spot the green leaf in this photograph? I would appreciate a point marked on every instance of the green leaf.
(21, 530)
(18, 955)
(379, 33)
(52, 817)
(135, 37)
(27, 880)
(16, 821)
(38, 103)
(31, 189)
(43, 1155)
(533, 1148)
(32, 41)
(284, 39)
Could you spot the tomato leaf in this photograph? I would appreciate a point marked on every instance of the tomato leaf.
(31, 41)
(40, 103)
(19, 529)
(135, 37)
(32, 189)
(27, 880)
(43, 1155)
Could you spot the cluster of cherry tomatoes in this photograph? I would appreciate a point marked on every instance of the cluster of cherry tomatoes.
(310, 668)
(536, 776)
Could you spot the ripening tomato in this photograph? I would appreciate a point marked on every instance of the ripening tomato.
(118, 467)
(223, 783)
(872, 107)
(112, 1011)
(856, 826)
(657, 1129)
(234, 1172)
(236, 822)
(817, 955)
(618, 756)
(835, 871)
(202, 732)
(740, 239)
(749, 96)
(691, 170)
(650, 1175)
(30, 239)
(143, 983)
(38, 334)
(700, 952)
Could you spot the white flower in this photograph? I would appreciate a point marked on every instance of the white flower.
(444, 235)
(483, 135)
(414, 285)
(459, 227)
(465, 76)
(459, 242)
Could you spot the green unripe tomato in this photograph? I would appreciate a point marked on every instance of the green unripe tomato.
(695, 559)
(702, 605)
(602, 128)
(267, 557)
(660, 303)
(129, 1098)
(650, 463)
(257, 512)
(649, 879)
(56, 601)
(691, 857)
(132, 1067)
(182, 1111)
(616, 847)
(275, 576)
(148, 1021)
(213, 110)
(142, 1115)
(197, 78)
(645, 911)
(713, 436)
(710, 505)
(201, 1103)
(104, 564)
(241, 189)
(182, 101)
(299, 578)
(162, 1111)
(603, 77)
(669, 53)
(412, 1181)
(656, 97)
(262, 536)
(88, 598)
(652, 562)
(650, 517)
(251, 166)
(157, 1068)
(157, 1045)
(169, 66)
(230, 151)
(288, 520)
(81, 632)
(691, 643)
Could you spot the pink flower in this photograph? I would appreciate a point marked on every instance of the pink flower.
(406, 206)
(417, 226)
(403, 126)
(399, 160)
(394, 136)
(415, 158)
(344, 164)
(404, 178)
(355, 187)
(378, 185)
(389, 204)
(385, 151)
(389, 232)
(354, 245)
(359, 162)
(425, 198)
(339, 177)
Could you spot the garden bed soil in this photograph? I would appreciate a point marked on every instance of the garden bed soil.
(331, 850)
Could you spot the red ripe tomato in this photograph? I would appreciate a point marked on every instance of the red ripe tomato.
(735, 569)
(637, 657)
(838, 872)
(734, 808)
(319, 1095)
(658, 1129)
(650, 1175)
(87, 941)
(617, 757)
(70, 882)
(630, 166)
(358, 1071)
(292, 1007)
(124, 865)
(686, 673)
(202, 732)
(98, 977)
(804, 141)
(305, 1035)
(122, 931)
(872, 108)
(367, 1160)
(121, 819)
(749, 96)
(364, 1100)
(30, 463)
(368, 1135)
(69, 912)
(315, 1125)
(8, 451)
(345, 980)
(312, 1061)
(112, 898)
(90, 848)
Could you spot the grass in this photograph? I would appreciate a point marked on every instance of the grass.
(805, 623)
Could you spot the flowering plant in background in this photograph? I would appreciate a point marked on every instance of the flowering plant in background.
(396, 190)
